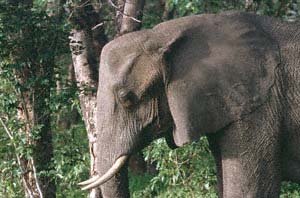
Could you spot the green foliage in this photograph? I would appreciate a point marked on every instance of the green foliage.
(183, 172)
(29, 42)
(71, 153)
(138, 183)
(30, 35)
(289, 189)
(277, 8)
(10, 170)
(71, 161)
(187, 7)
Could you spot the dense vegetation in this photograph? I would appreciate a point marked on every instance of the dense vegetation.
(33, 40)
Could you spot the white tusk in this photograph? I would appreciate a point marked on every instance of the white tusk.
(91, 180)
(109, 174)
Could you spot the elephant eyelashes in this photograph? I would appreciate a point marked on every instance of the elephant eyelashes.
(127, 98)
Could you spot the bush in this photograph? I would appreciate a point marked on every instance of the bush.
(183, 172)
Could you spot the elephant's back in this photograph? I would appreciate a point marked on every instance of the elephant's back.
(203, 22)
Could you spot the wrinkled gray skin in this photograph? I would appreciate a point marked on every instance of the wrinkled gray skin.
(234, 77)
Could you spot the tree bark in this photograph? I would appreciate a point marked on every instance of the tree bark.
(252, 5)
(86, 43)
(31, 183)
(168, 12)
(130, 15)
(87, 84)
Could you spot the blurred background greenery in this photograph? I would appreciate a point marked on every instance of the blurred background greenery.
(185, 172)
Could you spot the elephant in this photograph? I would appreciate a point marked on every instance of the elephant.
(233, 77)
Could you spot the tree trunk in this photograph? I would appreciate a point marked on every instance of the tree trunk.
(87, 86)
(86, 42)
(252, 5)
(34, 111)
(130, 16)
(168, 12)
(31, 184)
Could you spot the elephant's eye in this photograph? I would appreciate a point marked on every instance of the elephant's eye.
(127, 98)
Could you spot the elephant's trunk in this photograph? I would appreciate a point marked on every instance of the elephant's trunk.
(117, 186)
(97, 180)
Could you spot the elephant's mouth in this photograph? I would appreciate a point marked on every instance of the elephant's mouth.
(99, 180)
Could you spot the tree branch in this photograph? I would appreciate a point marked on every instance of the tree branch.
(9, 133)
(36, 178)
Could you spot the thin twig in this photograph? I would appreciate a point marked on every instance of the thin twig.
(9, 133)
(113, 5)
(96, 26)
(36, 179)
(6, 130)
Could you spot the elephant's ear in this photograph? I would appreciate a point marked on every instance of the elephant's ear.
(217, 78)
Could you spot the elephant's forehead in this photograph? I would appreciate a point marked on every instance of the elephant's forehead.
(127, 43)
(120, 53)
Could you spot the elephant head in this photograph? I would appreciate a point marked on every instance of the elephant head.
(181, 79)
(132, 106)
